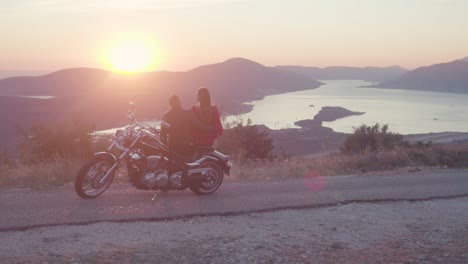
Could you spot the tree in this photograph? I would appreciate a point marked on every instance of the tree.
(245, 141)
(371, 138)
(67, 139)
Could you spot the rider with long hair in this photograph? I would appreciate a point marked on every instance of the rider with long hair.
(208, 114)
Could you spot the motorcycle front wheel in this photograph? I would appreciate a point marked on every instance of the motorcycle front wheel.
(214, 177)
(87, 181)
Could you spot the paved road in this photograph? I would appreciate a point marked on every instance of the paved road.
(22, 209)
(433, 231)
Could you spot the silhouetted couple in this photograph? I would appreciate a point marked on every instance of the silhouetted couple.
(195, 130)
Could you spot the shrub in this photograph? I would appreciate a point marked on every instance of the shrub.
(245, 142)
(371, 138)
(66, 140)
(5, 160)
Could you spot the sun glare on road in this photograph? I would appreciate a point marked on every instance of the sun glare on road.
(131, 56)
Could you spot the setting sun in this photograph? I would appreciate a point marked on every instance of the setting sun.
(131, 56)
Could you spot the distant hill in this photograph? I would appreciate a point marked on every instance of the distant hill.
(371, 74)
(449, 77)
(102, 97)
(61, 83)
(6, 74)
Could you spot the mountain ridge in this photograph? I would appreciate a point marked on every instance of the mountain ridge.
(441, 77)
(102, 97)
(371, 74)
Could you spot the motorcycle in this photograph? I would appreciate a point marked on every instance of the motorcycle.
(150, 164)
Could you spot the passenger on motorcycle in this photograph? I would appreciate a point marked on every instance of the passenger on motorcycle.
(208, 115)
(181, 121)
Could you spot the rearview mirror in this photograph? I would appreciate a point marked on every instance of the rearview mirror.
(131, 115)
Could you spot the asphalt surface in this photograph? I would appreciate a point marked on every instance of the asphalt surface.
(23, 209)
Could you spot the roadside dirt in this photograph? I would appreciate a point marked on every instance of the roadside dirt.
(402, 232)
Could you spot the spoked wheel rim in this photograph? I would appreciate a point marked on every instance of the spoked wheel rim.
(213, 178)
(91, 181)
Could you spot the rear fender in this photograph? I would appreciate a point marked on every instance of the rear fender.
(226, 166)
(222, 160)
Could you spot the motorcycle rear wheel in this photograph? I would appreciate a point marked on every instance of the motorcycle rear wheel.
(214, 179)
(87, 184)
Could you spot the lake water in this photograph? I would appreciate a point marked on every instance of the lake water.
(113, 130)
(41, 97)
(406, 112)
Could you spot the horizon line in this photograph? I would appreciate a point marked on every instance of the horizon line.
(42, 72)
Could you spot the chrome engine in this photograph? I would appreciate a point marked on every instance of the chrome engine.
(176, 180)
(159, 178)
(153, 176)
(156, 176)
(149, 180)
(162, 178)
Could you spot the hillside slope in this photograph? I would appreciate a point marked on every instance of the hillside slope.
(371, 74)
(449, 77)
(102, 97)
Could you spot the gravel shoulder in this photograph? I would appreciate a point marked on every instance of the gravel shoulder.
(434, 231)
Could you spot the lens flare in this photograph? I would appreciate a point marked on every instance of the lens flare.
(131, 56)
(315, 181)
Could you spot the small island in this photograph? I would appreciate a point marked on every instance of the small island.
(311, 138)
(326, 114)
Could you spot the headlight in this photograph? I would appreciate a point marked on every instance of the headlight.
(121, 136)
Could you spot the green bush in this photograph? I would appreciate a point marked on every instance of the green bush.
(67, 140)
(371, 138)
(245, 142)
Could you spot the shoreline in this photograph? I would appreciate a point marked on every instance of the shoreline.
(312, 138)
(348, 95)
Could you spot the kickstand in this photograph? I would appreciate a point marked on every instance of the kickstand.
(156, 194)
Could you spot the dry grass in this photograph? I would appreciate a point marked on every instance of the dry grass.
(269, 169)
(56, 172)
(52, 173)
(343, 164)
(59, 171)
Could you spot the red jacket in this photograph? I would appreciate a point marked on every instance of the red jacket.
(202, 138)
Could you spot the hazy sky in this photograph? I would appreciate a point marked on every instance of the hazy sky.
(55, 34)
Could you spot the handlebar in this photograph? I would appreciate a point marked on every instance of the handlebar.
(134, 123)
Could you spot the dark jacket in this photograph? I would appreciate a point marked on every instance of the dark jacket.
(179, 133)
